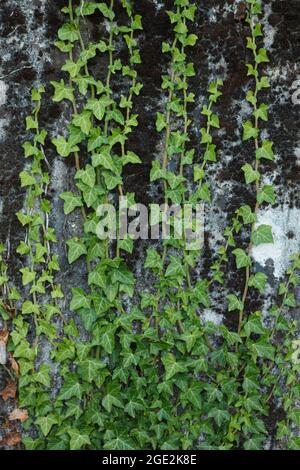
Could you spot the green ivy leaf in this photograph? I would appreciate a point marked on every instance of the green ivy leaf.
(262, 112)
(63, 147)
(254, 324)
(254, 443)
(250, 174)
(220, 416)
(79, 300)
(263, 349)
(132, 158)
(153, 259)
(250, 132)
(62, 91)
(258, 280)
(97, 278)
(87, 176)
(46, 423)
(97, 107)
(247, 215)
(108, 339)
(111, 399)
(120, 443)
(73, 68)
(263, 234)
(234, 303)
(27, 276)
(210, 153)
(175, 267)
(132, 407)
(78, 440)
(71, 388)
(71, 201)
(241, 258)
(171, 366)
(126, 244)
(68, 32)
(267, 194)
(26, 179)
(76, 249)
(265, 151)
(262, 56)
(193, 395)
(83, 121)
(89, 369)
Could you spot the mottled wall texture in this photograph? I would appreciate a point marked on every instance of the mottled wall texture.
(28, 58)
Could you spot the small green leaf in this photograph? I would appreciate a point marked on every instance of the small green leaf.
(26, 179)
(175, 267)
(250, 174)
(267, 194)
(262, 112)
(27, 276)
(79, 300)
(160, 122)
(263, 349)
(265, 151)
(132, 158)
(247, 215)
(68, 32)
(97, 278)
(63, 147)
(97, 107)
(258, 280)
(254, 324)
(250, 132)
(83, 121)
(241, 258)
(87, 176)
(234, 303)
(220, 416)
(71, 201)
(262, 56)
(62, 91)
(254, 443)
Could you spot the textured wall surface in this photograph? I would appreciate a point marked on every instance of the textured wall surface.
(28, 58)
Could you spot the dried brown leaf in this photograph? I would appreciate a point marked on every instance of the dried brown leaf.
(19, 414)
(9, 391)
(14, 365)
(11, 439)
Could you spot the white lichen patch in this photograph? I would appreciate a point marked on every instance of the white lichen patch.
(158, 5)
(3, 92)
(269, 30)
(297, 154)
(59, 176)
(3, 124)
(285, 223)
(209, 315)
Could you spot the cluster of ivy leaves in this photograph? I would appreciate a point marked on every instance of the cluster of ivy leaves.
(152, 373)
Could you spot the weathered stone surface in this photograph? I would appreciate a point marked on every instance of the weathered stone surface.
(28, 58)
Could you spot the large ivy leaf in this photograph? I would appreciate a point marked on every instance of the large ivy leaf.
(78, 440)
(46, 423)
(262, 234)
(171, 366)
(76, 249)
